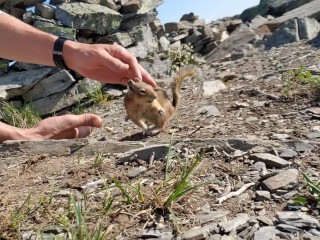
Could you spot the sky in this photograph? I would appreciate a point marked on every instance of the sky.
(172, 10)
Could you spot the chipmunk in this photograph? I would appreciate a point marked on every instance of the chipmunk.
(145, 103)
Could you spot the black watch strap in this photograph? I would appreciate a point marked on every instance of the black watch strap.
(57, 53)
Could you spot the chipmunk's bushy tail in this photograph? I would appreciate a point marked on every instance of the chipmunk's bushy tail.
(187, 71)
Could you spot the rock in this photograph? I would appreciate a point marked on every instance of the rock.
(263, 196)
(279, 136)
(57, 102)
(110, 4)
(211, 216)
(309, 10)
(136, 172)
(196, 234)
(160, 151)
(149, 5)
(68, 33)
(284, 180)
(238, 38)
(233, 224)
(265, 220)
(232, 25)
(48, 86)
(209, 111)
(293, 31)
(288, 228)
(266, 233)
(97, 18)
(18, 83)
(288, 154)
(297, 219)
(185, 25)
(123, 38)
(131, 6)
(258, 21)
(189, 17)
(23, 3)
(171, 27)
(313, 135)
(151, 233)
(214, 237)
(45, 10)
(132, 20)
(212, 87)
(270, 160)
(157, 68)
(301, 146)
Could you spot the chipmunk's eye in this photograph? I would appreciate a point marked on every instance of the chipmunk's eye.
(142, 92)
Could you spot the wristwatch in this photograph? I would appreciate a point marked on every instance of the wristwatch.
(57, 53)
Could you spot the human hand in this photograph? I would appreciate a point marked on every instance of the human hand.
(64, 127)
(104, 63)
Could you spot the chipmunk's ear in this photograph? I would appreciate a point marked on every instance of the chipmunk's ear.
(131, 84)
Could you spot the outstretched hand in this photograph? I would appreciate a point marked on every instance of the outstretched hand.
(104, 63)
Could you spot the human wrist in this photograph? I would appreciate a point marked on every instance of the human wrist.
(70, 49)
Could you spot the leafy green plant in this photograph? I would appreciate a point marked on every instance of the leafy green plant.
(313, 195)
(23, 117)
(295, 78)
(179, 57)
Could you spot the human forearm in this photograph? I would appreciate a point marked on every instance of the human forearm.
(22, 42)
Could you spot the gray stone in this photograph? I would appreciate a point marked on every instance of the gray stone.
(288, 154)
(171, 27)
(160, 151)
(209, 111)
(45, 10)
(293, 31)
(270, 160)
(196, 234)
(284, 180)
(212, 87)
(18, 83)
(157, 68)
(24, 3)
(93, 17)
(233, 224)
(131, 6)
(297, 219)
(211, 216)
(266, 233)
(110, 4)
(313, 135)
(189, 17)
(149, 5)
(48, 86)
(57, 102)
(263, 196)
(151, 233)
(185, 25)
(288, 228)
(214, 237)
(123, 38)
(48, 27)
(238, 38)
(309, 10)
(136, 172)
(132, 20)
(301, 146)
(258, 21)
(265, 220)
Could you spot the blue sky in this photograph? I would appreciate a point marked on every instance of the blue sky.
(172, 10)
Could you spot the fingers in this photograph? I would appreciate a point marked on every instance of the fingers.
(80, 132)
(75, 121)
(125, 56)
(146, 77)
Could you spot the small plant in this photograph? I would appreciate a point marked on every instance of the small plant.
(179, 57)
(99, 158)
(297, 77)
(24, 117)
(312, 197)
(96, 95)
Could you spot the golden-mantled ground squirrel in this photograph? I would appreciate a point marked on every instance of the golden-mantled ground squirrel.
(144, 103)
